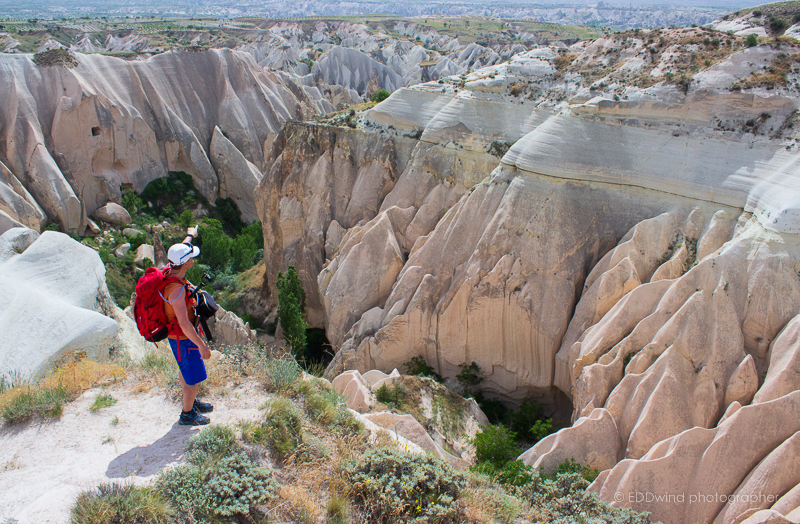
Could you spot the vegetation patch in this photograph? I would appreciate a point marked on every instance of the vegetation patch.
(777, 73)
(291, 310)
(101, 401)
(394, 486)
(55, 57)
(219, 486)
(44, 398)
(123, 504)
(283, 427)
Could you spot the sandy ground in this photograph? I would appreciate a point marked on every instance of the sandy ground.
(45, 465)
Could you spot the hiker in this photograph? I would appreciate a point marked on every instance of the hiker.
(187, 346)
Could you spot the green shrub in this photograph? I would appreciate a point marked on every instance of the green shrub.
(216, 247)
(751, 41)
(229, 213)
(131, 202)
(417, 366)
(195, 273)
(243, 250)
(255, 231)
(103, 400)
(185, 487)
(571, 467)
(237, 485)
(123, 504)
(777, 25)
(540, 429)
(291, 309)
(392, 396)
(564, 497)
(170, 190)
(211, 444)
(469, 375)
(512, 473)
(36, 401)
(523, 418)
(186, 219)
(497, 445)
(395, 486)
(233, 486)
(120, 277)
(281, 374)
(494, 410)
(283, 427)
(379, 96)
(322, 406)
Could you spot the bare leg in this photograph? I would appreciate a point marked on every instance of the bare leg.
(189, 393)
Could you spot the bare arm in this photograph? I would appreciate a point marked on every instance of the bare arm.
(179, 305)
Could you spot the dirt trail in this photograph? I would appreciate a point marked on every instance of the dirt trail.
(45, 465)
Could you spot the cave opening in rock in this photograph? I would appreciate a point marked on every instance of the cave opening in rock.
(95, 131)
(318, 348)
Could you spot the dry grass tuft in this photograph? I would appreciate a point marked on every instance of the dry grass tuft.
(775, 75)
(73, 375)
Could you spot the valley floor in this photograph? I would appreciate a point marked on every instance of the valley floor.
(45, 465)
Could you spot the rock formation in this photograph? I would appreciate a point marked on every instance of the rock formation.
(632, 261)
(74, 136)
(230, 330)
(53, 301)
(626, 255)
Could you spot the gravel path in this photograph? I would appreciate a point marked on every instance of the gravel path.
(45, 465)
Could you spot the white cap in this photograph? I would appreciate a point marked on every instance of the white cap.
(181, 253)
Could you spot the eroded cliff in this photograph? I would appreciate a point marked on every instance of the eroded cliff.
(71, 137)
(632, 260)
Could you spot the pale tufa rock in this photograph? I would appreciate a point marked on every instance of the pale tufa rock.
(113, 213)
(144, 252)
(15, 241)
(122, 250)
(238, 177)
(131, 232)
(593, 441)
(48, 309)
(354, 389)
(230, 330)
(408, 427)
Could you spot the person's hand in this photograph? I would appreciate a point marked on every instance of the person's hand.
(192, 231)
(205, 353)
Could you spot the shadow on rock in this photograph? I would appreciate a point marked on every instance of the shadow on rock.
(143, 461)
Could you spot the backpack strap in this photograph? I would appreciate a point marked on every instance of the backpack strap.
(183, 288)
(168, 280)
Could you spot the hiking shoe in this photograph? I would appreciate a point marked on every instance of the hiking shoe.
(203, 407)
(193, 418)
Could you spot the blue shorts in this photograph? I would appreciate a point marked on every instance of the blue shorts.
(191, 365)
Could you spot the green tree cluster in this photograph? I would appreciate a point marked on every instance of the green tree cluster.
(291, 308)
(219, 250)
(379, 96)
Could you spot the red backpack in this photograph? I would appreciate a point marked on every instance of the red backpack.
(148, 306)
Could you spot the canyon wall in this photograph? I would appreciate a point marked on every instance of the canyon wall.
(71, 137)
(632, 261)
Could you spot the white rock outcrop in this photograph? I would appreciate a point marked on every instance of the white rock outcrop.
(144, 252)
(632, 261)
(355, 390)
(111, 122)
(230, 330)
(114, 214)
(237, 176)
(51, 296)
